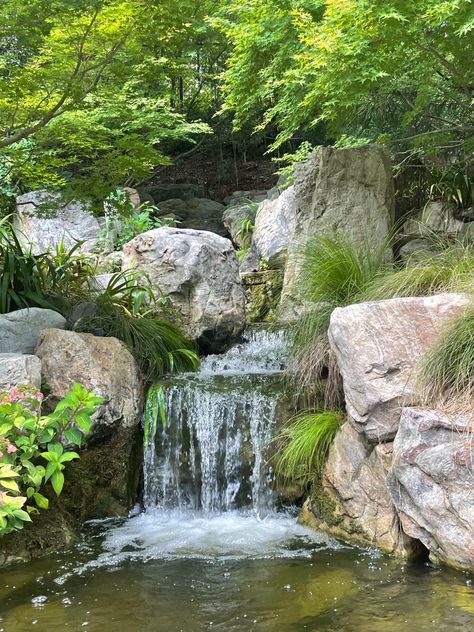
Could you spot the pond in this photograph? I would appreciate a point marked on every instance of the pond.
(185, 571)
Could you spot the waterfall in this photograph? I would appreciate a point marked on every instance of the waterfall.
(208, 434)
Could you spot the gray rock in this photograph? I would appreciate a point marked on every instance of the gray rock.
(416, 249)
(431, 483)
(16, 369)
(196, 214)
(239, 198)
(184, 191)
(20, 330)
(348, 190)
(378, 346)
(436, 217)
(44, 221)
(233, 219)
(102, 365)
(274, 224)
(199, 272)
(356, 504)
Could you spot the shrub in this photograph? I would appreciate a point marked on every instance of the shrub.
(306, 442)
(129, 311)
(34, 449)
(37, 280)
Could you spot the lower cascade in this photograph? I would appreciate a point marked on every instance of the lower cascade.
(208, 435)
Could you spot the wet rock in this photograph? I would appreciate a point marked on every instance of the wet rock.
(263, 292)
(102, 365)
(196, 214)
(16, 369)
(44, 220)
(349, 190)
(353, 501)
(378, 346)
(431, 482)
(199, 272)
(20, 330)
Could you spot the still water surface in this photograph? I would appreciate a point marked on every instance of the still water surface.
(233, 572)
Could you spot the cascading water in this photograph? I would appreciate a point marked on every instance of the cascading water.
(208, 434)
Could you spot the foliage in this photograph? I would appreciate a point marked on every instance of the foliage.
(128, 310)
(37, 280)
(87, 96)
(34, 449)
(245, 232)
(448, 368)
(306, 442)
(300, 155)
(399, 73)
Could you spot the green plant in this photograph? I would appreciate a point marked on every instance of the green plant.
(335, 273)
(128, 310)
(34, 448)
(447, 370)
(305, 444)
(38, 280)
(446, 269)
(300, 155)
(137, 222)
(247, 226)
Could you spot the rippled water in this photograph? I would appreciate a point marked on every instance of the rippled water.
(232, 572)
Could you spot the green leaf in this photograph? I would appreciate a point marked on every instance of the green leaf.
(22, 515)
(68, 456)
(74, 435)
(57, 481)
(41, 501)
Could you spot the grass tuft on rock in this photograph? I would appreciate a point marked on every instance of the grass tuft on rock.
(305, 445)
(335, 273)
(447, 370)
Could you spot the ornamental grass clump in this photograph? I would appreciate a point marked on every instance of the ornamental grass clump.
(447, 370)
(335, 273)
(127, 309)
(449, 267)
(305, 444)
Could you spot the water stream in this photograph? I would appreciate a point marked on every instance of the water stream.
(209, 550)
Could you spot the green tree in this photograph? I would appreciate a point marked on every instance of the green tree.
(362, 68)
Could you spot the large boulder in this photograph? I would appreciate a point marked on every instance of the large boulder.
(353, 501)
(16, 369)
(44, 220)
(199, 272)
(20, 330)
(196, 214)
(102, 365)
(348, 190)
(431, 482)
(274, 225)
(378, 346)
